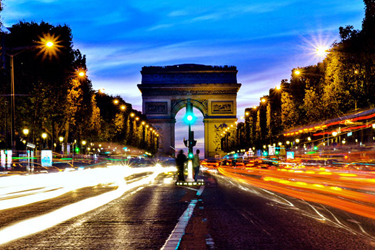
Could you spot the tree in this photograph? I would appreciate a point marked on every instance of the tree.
(43, 81)
(72, 104)
(95, 119)
(289, 115)
(312, 105)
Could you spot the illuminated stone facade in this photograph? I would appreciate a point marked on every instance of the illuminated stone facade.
(211, 89)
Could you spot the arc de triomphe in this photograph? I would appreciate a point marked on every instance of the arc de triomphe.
(211, 89)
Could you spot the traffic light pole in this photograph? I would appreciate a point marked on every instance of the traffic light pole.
(189, 110)
(190, 159)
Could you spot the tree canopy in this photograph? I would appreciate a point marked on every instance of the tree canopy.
(51, 97)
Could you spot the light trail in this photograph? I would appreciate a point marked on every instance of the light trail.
(43, 222)
(18, 191)
(328, 189)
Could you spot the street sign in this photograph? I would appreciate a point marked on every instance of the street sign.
(290, 155)
(30, 145)
(46, 158)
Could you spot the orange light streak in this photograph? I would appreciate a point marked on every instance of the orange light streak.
(322, 195)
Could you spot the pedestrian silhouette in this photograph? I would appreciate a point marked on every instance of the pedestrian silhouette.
(196, 164)
(180, 162)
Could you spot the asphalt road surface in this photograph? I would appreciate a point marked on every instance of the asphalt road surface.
(228, 215)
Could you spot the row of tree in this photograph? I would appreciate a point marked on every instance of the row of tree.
(343, 83)
(52, 98)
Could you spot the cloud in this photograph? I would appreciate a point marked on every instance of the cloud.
(160, 26)
(178, 13)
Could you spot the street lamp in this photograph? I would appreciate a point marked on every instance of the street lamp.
(44, 136)
(321, 51)
(61, 139)
(49, 46)
(83, 145)
(25, 131)
(297, 72)
(81, 73)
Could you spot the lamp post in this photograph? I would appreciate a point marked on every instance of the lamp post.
(61, 139)
(84, 146)
(26, 133)
(44, 136)
(45, 44)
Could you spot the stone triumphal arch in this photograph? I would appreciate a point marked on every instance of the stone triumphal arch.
(211, 89)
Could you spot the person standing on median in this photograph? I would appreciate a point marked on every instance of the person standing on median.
(180, 162)
(196, 164)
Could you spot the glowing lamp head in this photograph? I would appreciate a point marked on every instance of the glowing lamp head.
(49, 44)
(321, 51)
(25, 131)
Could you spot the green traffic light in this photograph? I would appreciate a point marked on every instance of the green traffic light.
(77, 149)
(189, 118)
(315, 148)
(191, 155)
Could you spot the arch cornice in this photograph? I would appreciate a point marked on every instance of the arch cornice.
(189, 89)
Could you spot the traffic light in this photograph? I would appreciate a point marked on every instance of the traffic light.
(189, 117)
(191, 155)
(315, 148)
(76, 150)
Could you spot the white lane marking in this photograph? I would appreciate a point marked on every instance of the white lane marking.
(175, 237)
(194, 189)
(200, 191)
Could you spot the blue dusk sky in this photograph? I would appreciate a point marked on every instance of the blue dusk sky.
(265, 40)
